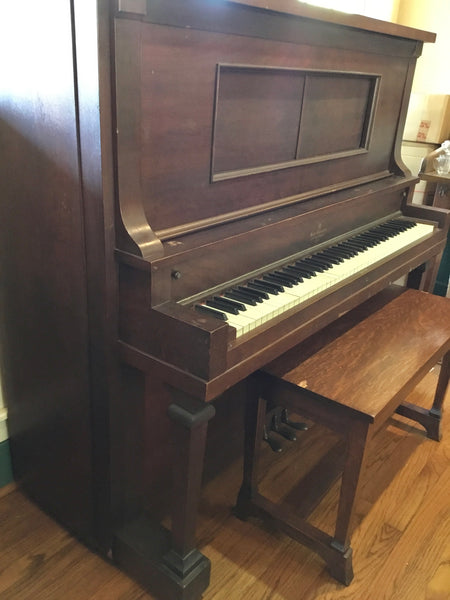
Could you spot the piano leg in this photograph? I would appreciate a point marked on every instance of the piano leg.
(424, 276)
(167, 562)
(430, 275)
(415, 277)
(183, 561)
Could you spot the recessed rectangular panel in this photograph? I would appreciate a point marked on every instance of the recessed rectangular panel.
(257, 117)
(339, 106)
(269, 118)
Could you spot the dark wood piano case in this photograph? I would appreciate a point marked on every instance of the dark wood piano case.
(152, 153)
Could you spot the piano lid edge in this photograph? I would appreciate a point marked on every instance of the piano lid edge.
(338, 18)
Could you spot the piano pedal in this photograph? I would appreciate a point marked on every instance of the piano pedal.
(277, 427)
(299, 426)
(275, 446)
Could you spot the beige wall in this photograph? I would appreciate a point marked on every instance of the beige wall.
(433, 69)
(385, 10)
(429, 103)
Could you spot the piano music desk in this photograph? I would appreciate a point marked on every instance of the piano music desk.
(350, 377)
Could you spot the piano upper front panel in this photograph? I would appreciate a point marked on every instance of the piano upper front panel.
(166, 133)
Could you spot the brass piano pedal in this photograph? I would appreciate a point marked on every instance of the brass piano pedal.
(275, 446)
(299, 426)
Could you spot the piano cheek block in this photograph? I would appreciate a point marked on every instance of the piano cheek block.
(192, 342)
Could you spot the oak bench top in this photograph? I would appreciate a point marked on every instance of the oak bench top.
(366, 360)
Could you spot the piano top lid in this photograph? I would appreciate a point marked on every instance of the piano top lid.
(306, 11)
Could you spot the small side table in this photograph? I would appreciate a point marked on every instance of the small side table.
(441, 199)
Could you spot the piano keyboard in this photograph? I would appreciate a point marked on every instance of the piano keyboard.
(247, 306)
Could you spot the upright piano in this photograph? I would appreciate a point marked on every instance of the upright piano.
(216, 181)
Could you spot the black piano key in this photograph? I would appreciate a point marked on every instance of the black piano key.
(240, 297)
(366, 238)
(255, 293)
(391, 232)
(402, 225)
(299, 265)
(318, 262)
(303, 264)
(368, 243)
(266, 286)
(337, 252)
(230, 302)
(392, 226)
(289, 276)
(303, 273)
(352, 242)
(211, 311)
(222, 307)
(384, 234)
(347, 245)
(371, 236)
(274, 278)
(387, 227)
(392, 229)
(344, 252)
(329, 256)
(360, 246)
(377, 236)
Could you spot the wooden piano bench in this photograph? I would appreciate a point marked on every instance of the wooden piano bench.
(350, 377)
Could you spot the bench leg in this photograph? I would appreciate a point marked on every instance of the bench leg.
(441, 389)
(255, 415)
(430, 419)
(341, 564)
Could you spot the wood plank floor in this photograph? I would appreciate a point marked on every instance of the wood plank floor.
(401, 544)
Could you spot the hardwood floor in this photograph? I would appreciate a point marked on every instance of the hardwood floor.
(401, 544)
